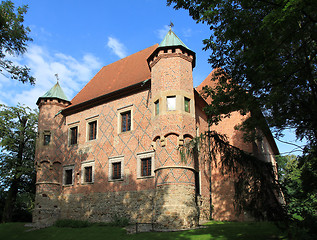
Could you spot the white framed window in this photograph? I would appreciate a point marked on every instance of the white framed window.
(73, 133)
(68, 175)
(116, 168)
(92, 128)
(145, 164)
(88, 172)
(125, 119)
(171, 103)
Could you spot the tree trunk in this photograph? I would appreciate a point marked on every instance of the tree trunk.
(10, 201)
(14, 188)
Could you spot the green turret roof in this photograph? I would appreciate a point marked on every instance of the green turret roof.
(172, 40)
(55, 92)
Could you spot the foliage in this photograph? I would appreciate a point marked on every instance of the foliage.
(211, 231)
(265, 57)
(13, 40)
(301, 202)
(119, 221)
(257, 191)
(268, 48)
(70, 223)
(17, 174)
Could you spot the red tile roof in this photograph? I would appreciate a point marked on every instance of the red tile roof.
(118, 75)
(207, 82)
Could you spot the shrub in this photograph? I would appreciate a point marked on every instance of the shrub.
(70, 223)
(119, 221)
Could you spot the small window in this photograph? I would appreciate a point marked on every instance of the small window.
(92, 128)
(126, 121)
(157, 107)
(88, 174)
(146, 166)
(187, 104)
(47, 138)
(116, 168)
(171, 103)
(68, 176)
(73, 135)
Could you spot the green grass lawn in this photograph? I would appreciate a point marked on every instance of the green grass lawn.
(213, 230)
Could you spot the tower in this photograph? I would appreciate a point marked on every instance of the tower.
(47, 162)
(173, 121)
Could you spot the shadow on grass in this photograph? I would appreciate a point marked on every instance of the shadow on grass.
(223, 230)
(212, 231)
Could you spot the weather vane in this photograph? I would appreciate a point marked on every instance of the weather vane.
(171, 25)
(56, 75)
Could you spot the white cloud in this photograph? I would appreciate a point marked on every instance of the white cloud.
(117, 47)
(162, 32)
(187, 32)
(73, 74)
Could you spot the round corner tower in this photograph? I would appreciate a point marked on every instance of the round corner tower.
(173, 121)
(47, 163)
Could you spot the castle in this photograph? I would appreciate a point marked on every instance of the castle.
(113, 150)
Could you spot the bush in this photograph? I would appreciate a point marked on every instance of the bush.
(119, 221)
(71, 223)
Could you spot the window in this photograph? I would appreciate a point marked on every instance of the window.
(187, 104)
(92, 130)
(157, 107)
(171, 103)
(146, 167)
(145, 164)
(126, 121)
(116, 168)
(87, 172)
(47, 138)
(73, 135)
(68, 175)
(198, 183)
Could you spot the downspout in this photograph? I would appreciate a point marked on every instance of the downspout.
(210, 184)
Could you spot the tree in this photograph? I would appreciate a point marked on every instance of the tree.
(13, 39)
(300, 197)
(268, 51)
(265, 54)
(17, 135)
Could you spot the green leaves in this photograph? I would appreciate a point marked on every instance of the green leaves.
(268, 49)
(13, 40)
(17, 143)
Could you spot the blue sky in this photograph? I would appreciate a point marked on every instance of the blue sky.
(75, 38)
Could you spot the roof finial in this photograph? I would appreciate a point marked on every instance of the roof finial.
(56, 75)
(171, 25)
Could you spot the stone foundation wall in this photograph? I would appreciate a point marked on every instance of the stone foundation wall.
(175, 207)
(95, 207)
(102, 207)
(46, 210)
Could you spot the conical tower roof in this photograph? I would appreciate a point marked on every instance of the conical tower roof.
(171, 39)
(55, 92)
